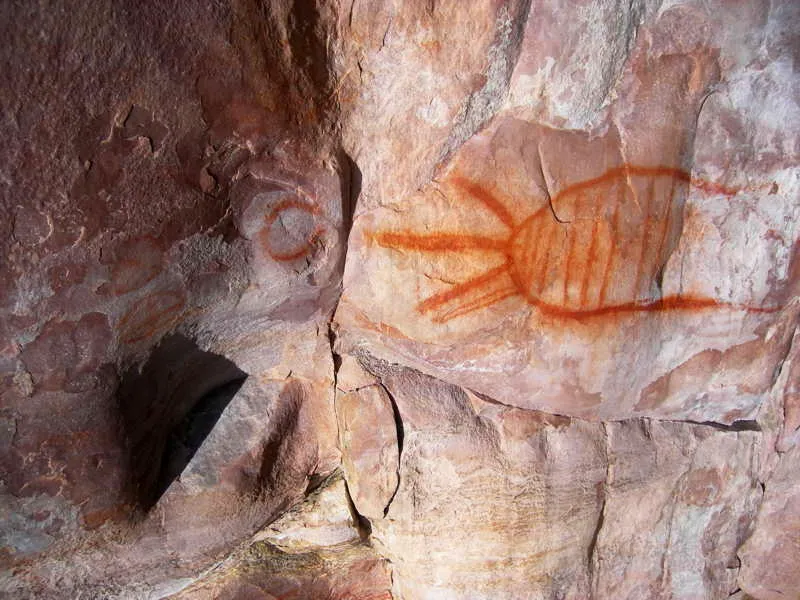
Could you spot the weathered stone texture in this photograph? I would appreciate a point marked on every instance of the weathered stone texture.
(499, 501)
(376, 299)
(535, 243)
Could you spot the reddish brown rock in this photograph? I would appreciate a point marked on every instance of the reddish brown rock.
(771, 556)
(127, 148)
(370, 442)
(134, 264)
(587, 209)
(495, 501)
(67, 355)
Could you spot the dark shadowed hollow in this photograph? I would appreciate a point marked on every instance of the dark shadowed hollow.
(169, 404)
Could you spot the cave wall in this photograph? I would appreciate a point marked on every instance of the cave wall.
(463, 299)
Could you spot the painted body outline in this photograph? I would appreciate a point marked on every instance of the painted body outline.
(515, 277)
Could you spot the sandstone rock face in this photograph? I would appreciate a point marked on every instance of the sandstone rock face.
(442, 299)
(369, 438)
(496, 501)
(770, 556)
(312, 551)
(545, 266)
(166, 193)
(323, 520)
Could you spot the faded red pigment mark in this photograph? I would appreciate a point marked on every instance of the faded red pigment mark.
(137, 263)
(293, 251)
(702, 487)
(150, 315)
(597, 248)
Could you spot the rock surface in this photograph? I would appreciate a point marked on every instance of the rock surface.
(546, 266)
(370, 438)
(496, 501)
(441, 299)
(324, 519)
(312, 551)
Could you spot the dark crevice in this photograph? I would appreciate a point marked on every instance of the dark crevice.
(745, 425)
(188, 435)
(546, 189)
(361, 522)
(398, 423)
(168, 407)
(350, 189)
(593, 542)
(659, 278)
(336, 357)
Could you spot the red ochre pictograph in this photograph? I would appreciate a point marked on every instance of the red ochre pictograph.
(598, 247)
(150, 315)
(139, 262)
(280, 247)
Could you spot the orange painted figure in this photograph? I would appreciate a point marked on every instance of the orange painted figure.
(281, 246)
(597, 247)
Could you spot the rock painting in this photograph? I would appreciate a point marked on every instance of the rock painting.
(133, 265)
(290, 229)
(151, 315)
(595, 247)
